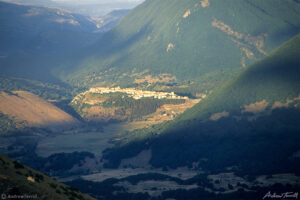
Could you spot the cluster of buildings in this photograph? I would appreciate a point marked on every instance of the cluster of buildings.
(137, 94)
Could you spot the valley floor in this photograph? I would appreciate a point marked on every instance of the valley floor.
(134, 175)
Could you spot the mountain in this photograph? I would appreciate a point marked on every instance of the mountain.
(32, 2)
(19, 181)
(35, 39)
(238, 128)
(30, 28)
(110, 20)
(273, 81)
(185, 42)
(44, 90)
(86, 8)
(22, 109)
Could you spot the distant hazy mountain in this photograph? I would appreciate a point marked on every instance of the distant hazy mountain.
(250, 125)
(186, 41)
(40, 29)
(87, 8)
(110, 20)
(34, 39)
(33, 2)
(99, 9)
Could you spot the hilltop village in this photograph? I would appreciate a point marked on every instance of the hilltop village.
(137, 94)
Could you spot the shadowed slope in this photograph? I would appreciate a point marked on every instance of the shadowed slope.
(248, 120)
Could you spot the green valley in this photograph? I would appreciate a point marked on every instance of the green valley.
(258, 107)
(129, 104)
(172, 100)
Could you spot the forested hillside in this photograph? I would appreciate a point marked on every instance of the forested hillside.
(33, 39)
(247, 120)
(30, 28)
(187, 42)
(181, 99)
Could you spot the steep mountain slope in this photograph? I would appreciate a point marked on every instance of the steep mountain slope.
(45, 90)
(28, 110)
(239, 127)
(33, 39)
(32, 28)
(273, 81)
(19, 181)
(110, 20)
(186, 40)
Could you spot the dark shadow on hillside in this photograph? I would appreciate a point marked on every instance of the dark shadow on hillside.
(216, 145)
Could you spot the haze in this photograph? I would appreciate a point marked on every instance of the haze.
(93, 8)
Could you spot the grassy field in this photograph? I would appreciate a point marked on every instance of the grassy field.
(84, 139)
(181, 173)
(87, 139)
